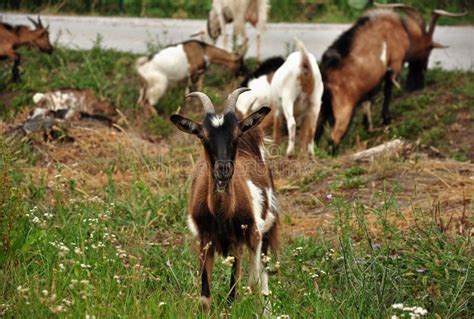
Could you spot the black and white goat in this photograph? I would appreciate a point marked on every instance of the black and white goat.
(232, 202)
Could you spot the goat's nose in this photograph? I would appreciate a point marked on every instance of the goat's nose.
(224, 169)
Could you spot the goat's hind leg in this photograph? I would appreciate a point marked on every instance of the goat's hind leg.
(235, 274)
(207, 262)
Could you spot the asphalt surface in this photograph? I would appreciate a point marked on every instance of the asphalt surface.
(138, 34)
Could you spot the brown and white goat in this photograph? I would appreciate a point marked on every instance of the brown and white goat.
(372, 50)
(13, 37)
(239, 12)
(173, 64)
(232, 201)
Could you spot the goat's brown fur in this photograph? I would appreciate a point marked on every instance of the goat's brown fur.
(13, 37)
(199, 54)
(231, 203)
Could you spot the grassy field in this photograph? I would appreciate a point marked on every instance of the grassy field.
(322, 11)
(96, 228)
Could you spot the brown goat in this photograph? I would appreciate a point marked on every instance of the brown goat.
(12, 37)
(372, 50)
(232, 201)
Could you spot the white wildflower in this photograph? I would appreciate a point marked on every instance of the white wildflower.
(229, 261)
(397, 306)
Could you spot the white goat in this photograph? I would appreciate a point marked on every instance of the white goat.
(239, 12)
(296, 91)
(176, 63)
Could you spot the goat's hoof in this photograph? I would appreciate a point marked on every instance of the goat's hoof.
(205, 304)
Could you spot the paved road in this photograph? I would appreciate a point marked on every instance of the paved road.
(134, 34)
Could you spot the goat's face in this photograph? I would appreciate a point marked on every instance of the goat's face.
(220, 134)
(42, 41)
(40, 36)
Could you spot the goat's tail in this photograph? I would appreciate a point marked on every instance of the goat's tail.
(306, 78)
(141, 60)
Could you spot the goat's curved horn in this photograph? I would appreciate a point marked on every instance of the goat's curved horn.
(35, 24)
(232, 99)
(205, 101)
(40, 23)
(435, 14)
(409, 11)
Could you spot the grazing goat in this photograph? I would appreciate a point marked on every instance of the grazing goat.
(239, 12)
(259, 84)
(296, 91)
(176, 63)
(232, 201)
(372, 50)
(421, 41)
(13, 37)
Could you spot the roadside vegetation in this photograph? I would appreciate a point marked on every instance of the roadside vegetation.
(96, 227)
(322, 11)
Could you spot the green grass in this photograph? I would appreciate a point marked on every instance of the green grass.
(123, 250)
(127, 253)
(322, 11)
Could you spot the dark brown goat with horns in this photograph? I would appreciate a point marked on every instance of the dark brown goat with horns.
(13, 37)
(372, 50)
(232, 201)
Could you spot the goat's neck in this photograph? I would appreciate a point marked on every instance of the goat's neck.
(221, 202)
(25, 37)
(219, 56)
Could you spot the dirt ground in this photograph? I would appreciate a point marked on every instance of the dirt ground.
(307, 189)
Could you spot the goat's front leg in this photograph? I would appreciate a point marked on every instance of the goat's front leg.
(15, 69)
(207, 263)
(389, 80)
(258, 46)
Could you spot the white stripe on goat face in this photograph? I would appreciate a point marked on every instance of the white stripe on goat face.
(217, 120)
(257, 205)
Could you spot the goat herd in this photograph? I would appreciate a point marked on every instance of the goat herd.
(232, 202)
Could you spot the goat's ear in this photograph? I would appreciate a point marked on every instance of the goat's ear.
(254, 119)
(186, 125)
(437, 45)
